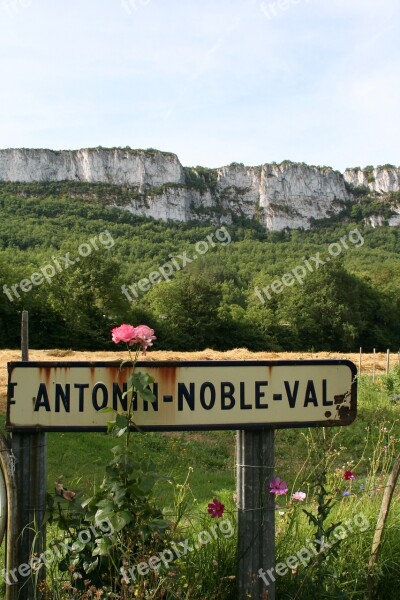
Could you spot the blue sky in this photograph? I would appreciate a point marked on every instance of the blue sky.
(216, 82)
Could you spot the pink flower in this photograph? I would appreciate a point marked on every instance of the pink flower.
(141, 334)
(299, 496)
(278, 486)
(216, 508)
(144, 336)
(123, 333)
(349, 476)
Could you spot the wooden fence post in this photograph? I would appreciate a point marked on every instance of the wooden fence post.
(30, 451)
(256, 514)
(373, 366)
(380, 525)
(387, 361)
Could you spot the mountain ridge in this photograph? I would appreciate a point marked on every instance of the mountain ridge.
(285, 195)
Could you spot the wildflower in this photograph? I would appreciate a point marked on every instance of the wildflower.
(349, 476)
(216, 508)
(299, 496)
(278, 486)
(346, 493)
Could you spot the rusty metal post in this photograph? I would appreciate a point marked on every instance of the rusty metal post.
(256, 514)
(30, 451)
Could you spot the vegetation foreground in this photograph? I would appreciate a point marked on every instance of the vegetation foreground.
(328, 485)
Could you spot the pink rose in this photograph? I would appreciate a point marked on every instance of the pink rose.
(123, 333)
(144, 336)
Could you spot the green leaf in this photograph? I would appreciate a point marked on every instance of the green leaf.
(121, 421)
(158, 524)
(146, 484)
(141, 383)
(78, 546)
(103, 547)
(102, 513)
(105, 503)
(110, 427)
(120, 519)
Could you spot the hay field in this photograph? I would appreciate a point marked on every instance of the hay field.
(237, 354)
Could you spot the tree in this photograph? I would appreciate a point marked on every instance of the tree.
(186, 312)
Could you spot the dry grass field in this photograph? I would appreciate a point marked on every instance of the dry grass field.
(237, 354)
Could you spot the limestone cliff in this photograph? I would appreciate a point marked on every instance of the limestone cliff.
(141, 168)
(381, 180)
(288, 195)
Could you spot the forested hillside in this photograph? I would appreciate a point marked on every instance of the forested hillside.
(199, 286)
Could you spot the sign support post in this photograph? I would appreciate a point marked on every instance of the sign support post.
(30, 451)
(256, 513)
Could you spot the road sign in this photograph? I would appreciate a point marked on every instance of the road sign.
(69, 396)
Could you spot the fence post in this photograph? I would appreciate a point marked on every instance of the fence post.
(30, 451)
(387, 361)
(11, 561)
(373, 366)
(256, 514)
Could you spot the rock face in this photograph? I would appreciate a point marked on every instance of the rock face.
(381, 180)
(282, 194)
(141, 168)
(288, 195)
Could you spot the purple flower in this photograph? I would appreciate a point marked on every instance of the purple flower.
(346, 493)
(278, 486)
(216, 508)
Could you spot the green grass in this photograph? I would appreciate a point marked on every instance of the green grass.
(81, 457)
